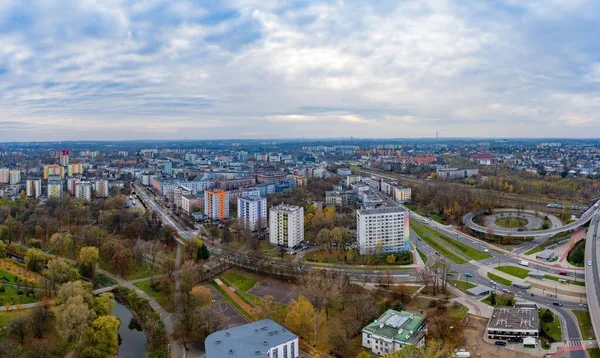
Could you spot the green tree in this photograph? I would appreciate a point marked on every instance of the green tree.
(88, 258)
(493, 298)
(203, 253)
(39, 319)
(390, 259)
(547, 316)
(2, 249)
(35, 260)
(73, 317)
(101, 338)
(104, 304)
(59, 272)
(63, 242)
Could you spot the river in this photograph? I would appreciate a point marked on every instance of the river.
(132, 339)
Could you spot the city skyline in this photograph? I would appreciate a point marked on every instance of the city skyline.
(168, 70)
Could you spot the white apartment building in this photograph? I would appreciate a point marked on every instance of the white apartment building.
(14, 176)
(4, 175)
(190, 202)
(252, 211)
(286, 225)
(102, 190)
(402, 194)
(83, 190)
(55, 188)
(385, 225)
(33, 188)
(72, 185)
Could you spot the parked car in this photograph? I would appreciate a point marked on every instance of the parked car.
(500, 343)
(505, 290)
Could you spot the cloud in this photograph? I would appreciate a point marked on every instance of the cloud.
(247, 68)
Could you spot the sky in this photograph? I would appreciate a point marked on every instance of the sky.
(213, 69)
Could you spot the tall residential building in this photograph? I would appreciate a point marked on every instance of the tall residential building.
(252, 211)
(55, 188)
(64, 157)
(264, 338)
(83, 190)
(286, 225)
(167, 168)
(102, 190)
(4, 175)
(384, 228)
(54, 170)
(14, 176)
(216, 203)
(74, 169)
(72, 185)
(33, 188)
(242, 156)
(191, 157)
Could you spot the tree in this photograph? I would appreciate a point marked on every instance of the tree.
(188, 303)
(63, 242)
(364, 354)
(493, 298)
(266, 307)
(203, 253)
(191, 249)
(73, 312)
(390, 259)
(188, 276)
(300, 317)
(88, 258)
(18, 327)
(122, 260)
(35, 260)
(101, 338)
(443, 327)
(2, 249)
(39, 318)
(167, 264)
(547, 316)
(59, 272)
(433, 349)
(104, 304)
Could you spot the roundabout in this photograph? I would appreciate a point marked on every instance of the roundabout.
(522, 220)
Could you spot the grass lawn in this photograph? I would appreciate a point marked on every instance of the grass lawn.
(513, 271)
(5, 318)
(585, 324)
(243, 281)
(423, 256)
(10, 297)
(462, 285)
(407, 289)
(501, 300)
(8, 277)
(552, 329)
(535, 250)
(435, 244)
(511, 222)
(160, 297)
(457, 310)
(465, 249)
(499, 279)
(104, 280)
(570, 282)
(594, 352)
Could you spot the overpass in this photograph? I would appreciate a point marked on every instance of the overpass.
(592, 276)
(584, 219)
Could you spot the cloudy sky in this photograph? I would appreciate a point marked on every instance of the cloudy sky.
(169, 69)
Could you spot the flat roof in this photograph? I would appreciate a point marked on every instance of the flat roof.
(249, 340)
(287, 208)
(382, 210)
(479, 290)
(397, 325)
(514, 318)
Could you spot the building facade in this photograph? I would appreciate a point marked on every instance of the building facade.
(252, 211)
(54, 170)
(83, 190)
(64, 157)
(4, 175)
(286, 225)
(33, 188)
(514, 323)
(72, 185)
(216, 203)
(102, 188)
(14, 176)
(264, 338)
(384, 229)
(392, 331)
(55, 189)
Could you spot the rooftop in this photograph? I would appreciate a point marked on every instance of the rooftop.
(250, 340)
(514, 318)
(399, 326)
(382, 210)
(287, 208)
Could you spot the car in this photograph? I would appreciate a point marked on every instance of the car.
(468, 275)
(425, 221)
(589, 263)
(493, 283)
(556, 303)
(563, 273)
(486, 250)
(418, 238)
(500, 343)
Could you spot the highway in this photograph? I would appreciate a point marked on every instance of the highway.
(593, 282)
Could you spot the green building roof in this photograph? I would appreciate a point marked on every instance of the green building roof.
(399, 326)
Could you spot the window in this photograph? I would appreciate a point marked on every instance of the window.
(293, 348)
(285, 353)
(275, 353)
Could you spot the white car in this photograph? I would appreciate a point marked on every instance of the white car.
(486, 250)
(589, 263)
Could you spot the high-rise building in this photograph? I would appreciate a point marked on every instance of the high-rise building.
(191, 157)
(168, 168)
(54, 170)
(14, 176)
(102, 189)
(216, 204)
(4, 175)
(64, 157)
(382, 229)
(72, 185)
(74, 169)
(242, 156)
(252, 211)
(286, 225)
(33, 188)
(83, 190)
(55, 188)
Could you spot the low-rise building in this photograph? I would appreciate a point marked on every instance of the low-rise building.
(264, 338)
(392, 331)
(514, 323)
(455, 173)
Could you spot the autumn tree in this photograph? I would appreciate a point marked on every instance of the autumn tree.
(433, 349)
(63, 243)
(122, 260)
(101, 338)
(443, 327)
(309, 324)
(39, 319)
(266, 307)
(35, 260)
(166, 263)
(88, 259)
(2, 249)
(59, 272)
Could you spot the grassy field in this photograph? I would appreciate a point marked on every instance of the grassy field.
(10, 297)
(462, 285)
(104, 280)
(535, 250)
(570, 282)
(423, 256)
(552, 329)
(511, 223)
(160, 297)
(463, 248)
(585, 324)
(501, 300)
(499, 279)
(435, 244)
(243, 281)
(594, 352)
(457, 310)
(513, 271)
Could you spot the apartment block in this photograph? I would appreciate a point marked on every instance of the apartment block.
(54, 170)
(216, 204)
(252, 211)
(33, 188)
(83, 190)
(102, 188)
(286, 225)
(55, 189)
(384, 228)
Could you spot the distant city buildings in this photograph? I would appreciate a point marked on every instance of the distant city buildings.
(344, 172)
(168, 168)
(54, 170)
(55, 189)
(33, 188)
(252, 211)
(4, 175)
(216, 203)
(14, 176)
(102, 188)
(384, 230)
(286, 225)
(398, 193)
(64, 157)
(455, 173)
(72, 185)
(83, 190)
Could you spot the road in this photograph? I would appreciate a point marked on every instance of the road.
(593, 282)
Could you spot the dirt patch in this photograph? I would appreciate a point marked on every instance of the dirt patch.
(474, 343)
